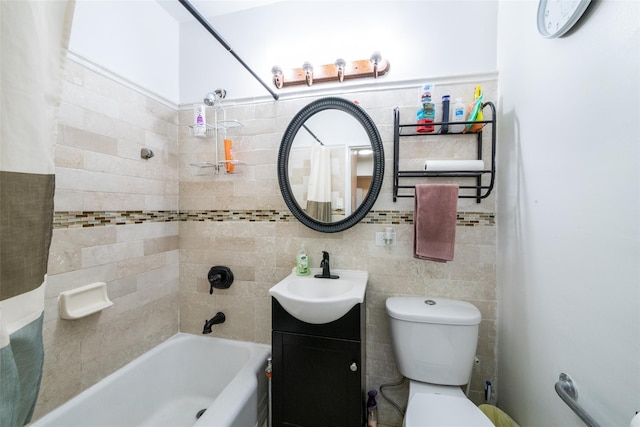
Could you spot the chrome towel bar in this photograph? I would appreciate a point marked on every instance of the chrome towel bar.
(569, 394)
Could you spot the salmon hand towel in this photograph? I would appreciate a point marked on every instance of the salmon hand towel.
(434, 221)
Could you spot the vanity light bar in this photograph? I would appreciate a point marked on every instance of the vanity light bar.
(339, 71)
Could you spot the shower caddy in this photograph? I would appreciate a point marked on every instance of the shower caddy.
(220, 126)
(478, 189)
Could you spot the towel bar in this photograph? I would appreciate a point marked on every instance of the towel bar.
(569, 394)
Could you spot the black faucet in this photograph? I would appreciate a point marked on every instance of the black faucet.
(324, 264)
(217, 319)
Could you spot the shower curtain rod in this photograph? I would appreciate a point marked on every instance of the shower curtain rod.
(192, 10)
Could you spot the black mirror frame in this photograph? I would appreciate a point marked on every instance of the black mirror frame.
(371, 130)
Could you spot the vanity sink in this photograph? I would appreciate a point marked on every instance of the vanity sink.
(315, 300)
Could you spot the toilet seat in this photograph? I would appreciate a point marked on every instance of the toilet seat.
(438, 410)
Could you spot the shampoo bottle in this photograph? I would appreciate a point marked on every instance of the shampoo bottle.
(302, 262)
(445, 114)
(228, 156)
(458, 115)
(199, 120)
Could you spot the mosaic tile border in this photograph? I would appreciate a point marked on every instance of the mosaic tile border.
(262, 215)
(85, 219)
(467, 219)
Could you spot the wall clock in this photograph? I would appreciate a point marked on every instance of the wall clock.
(556, 17)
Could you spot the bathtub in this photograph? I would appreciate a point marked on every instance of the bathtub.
(170, 384)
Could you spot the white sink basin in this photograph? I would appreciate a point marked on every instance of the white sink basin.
(314, 300)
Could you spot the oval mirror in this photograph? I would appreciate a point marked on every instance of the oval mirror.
(330, 164)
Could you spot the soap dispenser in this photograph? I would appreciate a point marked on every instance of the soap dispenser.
(302, 262)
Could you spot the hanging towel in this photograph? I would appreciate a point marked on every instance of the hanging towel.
(319, 192)
(434, 221)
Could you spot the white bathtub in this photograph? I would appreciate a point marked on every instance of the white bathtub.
(171, 383)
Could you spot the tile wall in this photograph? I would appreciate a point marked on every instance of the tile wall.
(115, 222)
(241, 221)
(152, 229)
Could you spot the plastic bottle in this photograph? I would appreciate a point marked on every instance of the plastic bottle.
(199, 120)
(427, 114)
(372, 410)
(445, 114)
(459, 111)
(302, 262)
(228, 156)
(426, 93)
(474, 111)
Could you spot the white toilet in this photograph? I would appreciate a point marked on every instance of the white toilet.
(434, 342)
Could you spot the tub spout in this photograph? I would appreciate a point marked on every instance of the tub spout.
(215, 320)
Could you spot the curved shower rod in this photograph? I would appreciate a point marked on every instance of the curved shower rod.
(201, 19)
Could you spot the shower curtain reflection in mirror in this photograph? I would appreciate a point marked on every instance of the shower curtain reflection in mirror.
(319, 186)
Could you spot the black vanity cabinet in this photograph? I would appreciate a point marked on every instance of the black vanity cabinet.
(318, 370)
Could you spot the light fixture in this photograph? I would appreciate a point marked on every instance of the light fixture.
(375, 66)
(340, 64)
(375, 59)
(278, 78)
(308, 72)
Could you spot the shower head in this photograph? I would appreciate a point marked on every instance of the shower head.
(216, 95)
(209, 99)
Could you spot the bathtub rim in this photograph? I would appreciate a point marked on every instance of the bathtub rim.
(257, 360)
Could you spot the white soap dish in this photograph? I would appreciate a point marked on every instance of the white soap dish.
(83, 301)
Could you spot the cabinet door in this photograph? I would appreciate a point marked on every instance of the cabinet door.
(316, 382)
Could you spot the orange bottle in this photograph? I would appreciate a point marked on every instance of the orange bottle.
(228, 156)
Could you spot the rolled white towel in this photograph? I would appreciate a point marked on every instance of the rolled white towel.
(453, 165)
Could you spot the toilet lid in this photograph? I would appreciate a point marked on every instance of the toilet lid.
(439, 410)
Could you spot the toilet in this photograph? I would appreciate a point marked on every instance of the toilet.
(434, 341)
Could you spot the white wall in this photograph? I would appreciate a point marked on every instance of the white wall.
(135, 40)
(420, 39)
(568, 215)
(141, 42)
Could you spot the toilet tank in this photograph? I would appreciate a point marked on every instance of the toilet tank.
(434, 339)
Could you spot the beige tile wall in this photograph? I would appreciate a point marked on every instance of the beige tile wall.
(260, 252)
(116, 222)
(102, 127)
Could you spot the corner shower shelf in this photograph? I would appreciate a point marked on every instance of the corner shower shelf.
(214, 100)
(478, 191)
